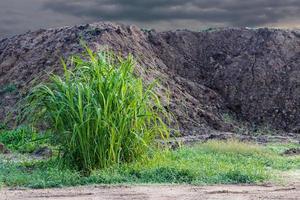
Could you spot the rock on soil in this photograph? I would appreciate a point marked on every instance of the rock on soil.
(44, 152)
(3, 149)
(252, 73)
(292, 152)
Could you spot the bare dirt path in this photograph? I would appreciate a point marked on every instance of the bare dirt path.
(290, 190)
(179, 192)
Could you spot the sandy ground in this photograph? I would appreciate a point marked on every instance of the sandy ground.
(288, 190)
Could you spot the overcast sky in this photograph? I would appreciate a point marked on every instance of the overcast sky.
(18, 16)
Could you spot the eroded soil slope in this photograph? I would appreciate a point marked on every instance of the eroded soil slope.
(253, 74)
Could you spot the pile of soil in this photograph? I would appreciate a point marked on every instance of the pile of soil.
(253, 74)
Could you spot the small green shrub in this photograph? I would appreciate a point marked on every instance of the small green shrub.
(2, 126)
(100, 113)
(8, 88)
(22, 139)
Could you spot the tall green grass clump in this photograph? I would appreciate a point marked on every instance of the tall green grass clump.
(100, 113)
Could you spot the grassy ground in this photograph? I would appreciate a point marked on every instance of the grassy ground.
(207, 163)
(100, 115)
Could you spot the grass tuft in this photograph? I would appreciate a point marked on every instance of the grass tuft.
(100, 113)
(9, 88)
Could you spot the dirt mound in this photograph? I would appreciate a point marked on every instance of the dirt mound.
(254, 74)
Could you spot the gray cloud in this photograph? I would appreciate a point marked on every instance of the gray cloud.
(19, 16)
(228, 12)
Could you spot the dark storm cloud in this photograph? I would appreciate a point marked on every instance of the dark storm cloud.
(227, 12)
(17, 16)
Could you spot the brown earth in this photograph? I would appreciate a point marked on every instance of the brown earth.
(230, 192)
(288, 191)
(252, 74)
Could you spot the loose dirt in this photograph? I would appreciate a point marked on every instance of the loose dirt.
(250, 74)
(157, 192)
(288, 190)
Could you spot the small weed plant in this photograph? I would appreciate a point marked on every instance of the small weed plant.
(8, 88)
(99, 112)
(23, 139)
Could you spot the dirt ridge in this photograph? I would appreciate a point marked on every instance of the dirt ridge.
(254, 74)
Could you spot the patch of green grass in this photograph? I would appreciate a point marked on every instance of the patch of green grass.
(37, 174)
(23, 139)
(213, 162)
(8, 88)
(281, 148)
